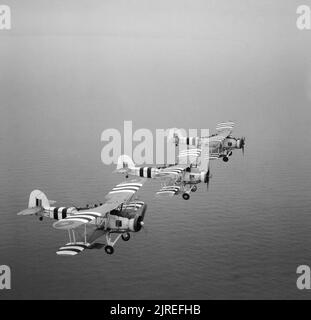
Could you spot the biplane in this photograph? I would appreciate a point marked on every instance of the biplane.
(221, 144)
(117, 217)
(182, 178)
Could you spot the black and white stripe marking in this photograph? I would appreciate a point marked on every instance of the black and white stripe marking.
(71, 249)
(169, 189)
(59, 213)
(175, 171)
(84, 217)
(190, 152)
(225, 125)
(126, 187)
(134, 205)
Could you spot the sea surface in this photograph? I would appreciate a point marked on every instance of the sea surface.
(243, 238)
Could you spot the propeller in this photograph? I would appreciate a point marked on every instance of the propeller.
(242, 144)
(207, 179)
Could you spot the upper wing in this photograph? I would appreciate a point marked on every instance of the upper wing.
(120, 194)
(223, 129)
(172, 172)
(189, 156)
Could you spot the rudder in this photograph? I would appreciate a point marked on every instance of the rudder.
(38, 199)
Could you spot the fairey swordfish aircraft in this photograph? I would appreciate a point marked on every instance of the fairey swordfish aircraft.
(182, 178)
(119, 216)
(221, 144)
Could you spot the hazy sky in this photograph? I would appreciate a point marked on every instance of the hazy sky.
(83, 66)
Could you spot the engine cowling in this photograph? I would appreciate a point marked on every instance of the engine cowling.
(137, 222)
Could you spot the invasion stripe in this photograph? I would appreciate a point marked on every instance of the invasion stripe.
(91, 216)
(129, 184)
(60, 209)
(225, 123)
(82, 216)
(159, 192)
(55, 212)
(111, 192)
(67, 252)
(64, 213)
(84, 220)
(126, 187)
(149, 172)
(134, 204)
(171, 187)
(77, 247)
(77, 250)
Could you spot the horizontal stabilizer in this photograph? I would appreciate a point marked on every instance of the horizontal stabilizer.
(30, 211)
(71, 249)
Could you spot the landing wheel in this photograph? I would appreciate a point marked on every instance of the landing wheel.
(40, 218)
(225, 159)
(186, 196)
(194, 189)
(109, 249)
(125, 236)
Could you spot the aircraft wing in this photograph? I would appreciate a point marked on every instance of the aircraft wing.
(223, 129)
(83, 237)
(71, 249)
(121, 193)
(189, 156)
(168, 190)
(172, 172)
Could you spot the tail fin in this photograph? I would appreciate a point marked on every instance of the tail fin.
(37, 202)
(124, 163)
(38, 199)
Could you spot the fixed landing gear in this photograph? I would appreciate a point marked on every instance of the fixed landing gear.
(225, 159)
(194, 189)
(186, 196)
(126, 236)
(40, 218)
(111, 242)
(109, 249)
